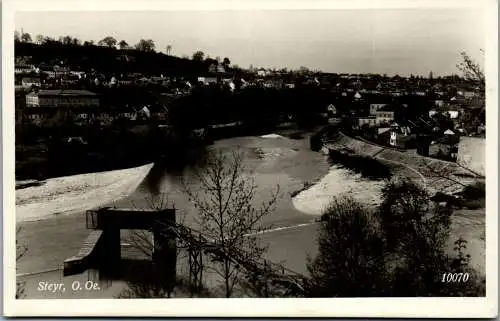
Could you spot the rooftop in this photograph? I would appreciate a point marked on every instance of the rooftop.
(31, 79)
(388, 107)
(56, 92)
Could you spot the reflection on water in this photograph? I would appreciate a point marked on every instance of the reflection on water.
(269, 161)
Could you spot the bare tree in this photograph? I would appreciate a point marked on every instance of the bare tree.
(471, 69)
(443, 170)
(228, 216)
(168, 49)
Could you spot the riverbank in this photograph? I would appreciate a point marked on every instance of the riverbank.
(273, 158)
(468, 224)
(277, 157)
(77, 193)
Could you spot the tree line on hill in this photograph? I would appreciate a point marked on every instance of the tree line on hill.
(83, 54)
(109, 60)
(108, 41)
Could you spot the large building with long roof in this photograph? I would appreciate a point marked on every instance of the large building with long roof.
(62, 98)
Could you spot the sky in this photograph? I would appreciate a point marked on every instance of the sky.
(390, 41)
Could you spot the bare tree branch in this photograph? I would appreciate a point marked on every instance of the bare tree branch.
(225, 204)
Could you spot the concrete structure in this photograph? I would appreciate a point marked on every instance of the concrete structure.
(62, 98)
(471, 154)
(102, 248)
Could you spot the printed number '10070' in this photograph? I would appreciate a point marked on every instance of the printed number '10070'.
(455, 277)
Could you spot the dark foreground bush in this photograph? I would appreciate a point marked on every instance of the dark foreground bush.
(474, 191)
(397, 250)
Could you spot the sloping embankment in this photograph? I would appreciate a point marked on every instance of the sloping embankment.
(433, 172)
(70, 194)
(465, 223)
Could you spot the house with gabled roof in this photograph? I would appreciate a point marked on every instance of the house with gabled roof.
(331, 110)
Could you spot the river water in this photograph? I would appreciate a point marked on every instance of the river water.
(269, 160)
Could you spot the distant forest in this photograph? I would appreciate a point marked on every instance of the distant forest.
(109, 60)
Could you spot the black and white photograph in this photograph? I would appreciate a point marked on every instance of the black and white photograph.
(198, 152)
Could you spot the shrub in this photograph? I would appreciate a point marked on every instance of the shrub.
(366, 166)
(351, 261)
(397, 250)
(474, 191)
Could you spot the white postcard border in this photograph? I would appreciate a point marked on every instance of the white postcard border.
(376, 307)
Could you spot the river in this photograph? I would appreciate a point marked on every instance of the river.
(270, 160)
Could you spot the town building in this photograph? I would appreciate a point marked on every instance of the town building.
(453, 114)
(371, 121)
(30, 82)
(375, 107)
(385, 114)
(25, 69)
(332, 110)
(207, 80)
(49, 73)
(448, 145)
(262, 72)
(439, 103)
(62, 98)
(69, 80)
(400, 136)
